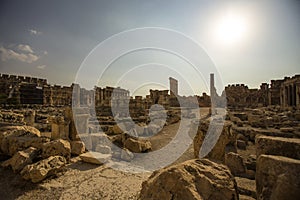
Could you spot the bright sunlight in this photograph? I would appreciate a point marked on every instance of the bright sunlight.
(231, 29)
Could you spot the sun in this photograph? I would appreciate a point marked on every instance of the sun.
(231, 29)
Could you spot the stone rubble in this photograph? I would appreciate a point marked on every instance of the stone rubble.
(193, 179)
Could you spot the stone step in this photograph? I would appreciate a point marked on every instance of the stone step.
(246, 187)
(288, 147)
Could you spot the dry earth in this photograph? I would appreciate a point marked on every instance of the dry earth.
(86, 181)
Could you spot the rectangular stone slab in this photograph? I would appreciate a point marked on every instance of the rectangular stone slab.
(95, 157)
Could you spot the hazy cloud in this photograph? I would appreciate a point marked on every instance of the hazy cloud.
(26, 48)
(41, 67)
(45, 52)
(25, 56)
(34, 32)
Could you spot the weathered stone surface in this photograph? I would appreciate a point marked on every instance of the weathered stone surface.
(126, 155)
(58, 147)
(235, 163)
(152, 129)
(193, 179)
(21, 159)
(103, 149)
(39, 171)
(100, 139)
(251, 162)
(87, 140)
(95, 157)
(59, 127)
(77, 147)
(258, 120)
(246, 186)
(241, 144)
(245, 197)
(137, 145)
(18, 138)
(277, 177)
(241, 116)
(289, 147)
(116, 130)
(225, 143)
(250, 133)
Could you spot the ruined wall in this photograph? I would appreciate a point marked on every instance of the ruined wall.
(290, 92)
(274, 94)
(239, 96)
(16, 89)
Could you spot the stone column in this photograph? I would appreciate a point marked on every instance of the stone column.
(297, 95)
(59, 128)
(29, 117)
(289, 96)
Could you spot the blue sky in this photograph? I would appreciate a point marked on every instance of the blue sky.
(50, 39)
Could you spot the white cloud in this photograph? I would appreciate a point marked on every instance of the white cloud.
(26, 48)
(41, 67)
(34, 32)
(45, 52)
(9, 54)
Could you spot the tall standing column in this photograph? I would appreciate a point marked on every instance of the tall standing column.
(298, 94)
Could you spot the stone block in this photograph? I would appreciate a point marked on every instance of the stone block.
(289, 147)
(277, 178)
(95, 157)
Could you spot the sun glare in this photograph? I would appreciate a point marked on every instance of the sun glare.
(231, 29)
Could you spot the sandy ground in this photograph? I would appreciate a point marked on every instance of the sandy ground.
(86, 181)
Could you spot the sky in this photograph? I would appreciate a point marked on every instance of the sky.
(246, 42)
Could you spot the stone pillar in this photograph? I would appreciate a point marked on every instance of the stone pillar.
(213, 94)
(173, 87)
(76, 95)
(297, 95)
(59, 128)
(29, 117)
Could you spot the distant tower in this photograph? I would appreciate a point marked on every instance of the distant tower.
(173, 87)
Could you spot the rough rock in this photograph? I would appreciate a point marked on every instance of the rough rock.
(18, 138)
(246, 186)
(126, 155)
(225, 143)
(39, 171)
(103, 149)
(100, 139)
(241, 116)
(137, 145)
(95, 157)
(193, 179)
(245, 197)
(251, 162)
(250, 133)
(257, 120)
(58, 147)
(87, 140)
(116, 130)
(77, 147)
(241, 144)
(235, 163)
(21, 159)
(289, 147)
(277, 177)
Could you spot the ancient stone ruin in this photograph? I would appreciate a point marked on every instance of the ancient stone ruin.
(47, 129)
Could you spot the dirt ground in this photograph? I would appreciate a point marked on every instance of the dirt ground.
(86, 181)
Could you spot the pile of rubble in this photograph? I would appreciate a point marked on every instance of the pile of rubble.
(256, 156)
(33, 156)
